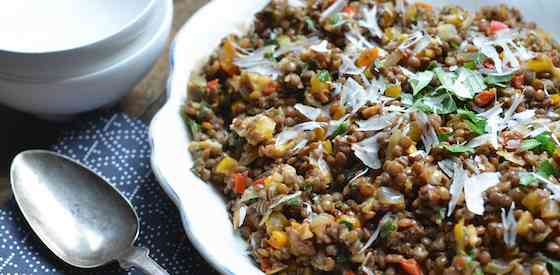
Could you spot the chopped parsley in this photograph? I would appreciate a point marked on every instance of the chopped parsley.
(498, 80)
(458, 149)
(340, 130)
(194, 128)
(476, 123)
(541, 143)
(324, 76)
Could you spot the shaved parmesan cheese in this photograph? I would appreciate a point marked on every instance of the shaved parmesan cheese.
(321, 47)
(333, 9)
(359, 174)
(353, 95)
(293, 132)
(239, 216)
(256, 62)
(370, 22)
(429, 135)
(448, 166)
(456, 188)
(510, 226)
(375, 233)
(296, 3)
(297, 46)
(348, 66)
(309, 112)
(511, 52)
(475, 186)
(376, 123)
(367, 151)
(517, 100)
(334, 124)
(411, 40)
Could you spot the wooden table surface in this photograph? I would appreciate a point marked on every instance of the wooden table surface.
(22, 131)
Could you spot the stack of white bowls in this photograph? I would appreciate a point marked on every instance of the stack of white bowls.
(62, 57)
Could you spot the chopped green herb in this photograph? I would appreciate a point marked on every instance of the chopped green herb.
(471, 65)
(441, 104)
(407, 99)
(194, 128)
(527, 179)
(347, 224)
(547, 169)
(547, 143)
(463, 83)
(443, 136)
(307, 186)
(433, 65)
(529, 144)
(440, 215)
(554, 264)
(476, 123)
(324, 76)
(342, 129)
(334, 19)
(498, 80)
(293, 202)
(455, 45)
(310, 24)
(458, 149)
(388, 228)
(420, 80)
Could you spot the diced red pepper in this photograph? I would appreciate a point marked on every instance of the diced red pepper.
(270, 88)
(518, 81)
(411, 267)
(259, 183)
(488, 64)
(496, 26)
(348, 273)
(348, 10)
(484, 98)
(213, 85)
(239, 183)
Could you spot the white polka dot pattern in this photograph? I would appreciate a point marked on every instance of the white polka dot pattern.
(116, 147)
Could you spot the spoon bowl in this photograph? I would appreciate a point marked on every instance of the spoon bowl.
(84, 220)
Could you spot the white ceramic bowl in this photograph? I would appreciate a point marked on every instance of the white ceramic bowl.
(64, 57)
(203, 211)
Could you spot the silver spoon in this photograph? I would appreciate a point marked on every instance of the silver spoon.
(76, 213)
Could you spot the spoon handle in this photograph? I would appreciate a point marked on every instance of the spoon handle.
(138, 256)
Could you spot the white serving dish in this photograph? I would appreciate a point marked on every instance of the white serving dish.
(203, 211)
(63, 57)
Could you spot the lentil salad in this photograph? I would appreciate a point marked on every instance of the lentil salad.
(385, 137)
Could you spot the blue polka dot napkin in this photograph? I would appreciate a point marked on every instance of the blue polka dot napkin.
(116, 147)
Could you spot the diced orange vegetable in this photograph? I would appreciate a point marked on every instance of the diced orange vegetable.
(213, 85)
(226, 165)
(278, 239)
(337, 111)
(424, 5)
(259, 182)
(393, 91)
(367, 57)
(270, 88)
(239, 183)
(348, 273)
(518, 81)
(496, 26)
(319, 134)
(411, 267)
(348, 10)
(484, 98)
(227, 56)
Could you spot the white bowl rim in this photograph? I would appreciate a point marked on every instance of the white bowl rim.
(108, 37)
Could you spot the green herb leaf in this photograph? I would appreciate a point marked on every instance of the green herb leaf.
(458, 149)
(334, 19)
(443, 136)
(388, 228)
(340, 130)
(476, 123)
(295, 202)
(420, 80)
(555, 264)
(498, 80)
(407, 99)
(194, 128)
(527, 179)
(441, 104)
(547, 169)
(324, 76)
(347, 224)
(547, 143)
(471, 65)
(310, 24)
(464, 83)
(529, 144)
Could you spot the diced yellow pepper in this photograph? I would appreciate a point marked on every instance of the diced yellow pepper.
(227, 56)
(264, 126)
(302, 229)
(278, 239)
(337, 111)
(354, 221)
(318, 86)
(393, 91)
(471, 234)
(367, 57)
(525, 223)
(327, 146)
(533, 201)
(319, 133)
(540, 64)
(459, 233)
(276, 222)
(555, 99)
(415, 132)
(411, 13)
(226, 166)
